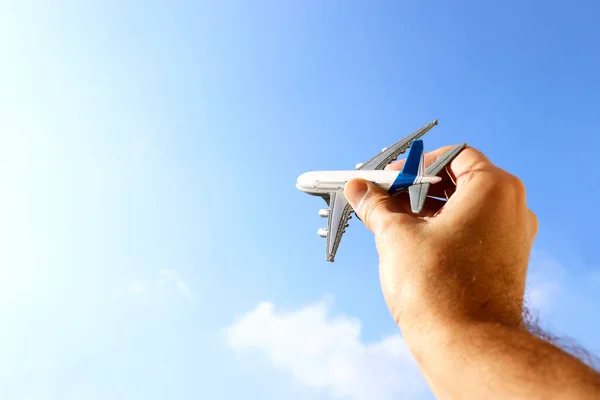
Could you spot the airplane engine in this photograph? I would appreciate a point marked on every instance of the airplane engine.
(322, 232)
(357, 166)
(324, 212)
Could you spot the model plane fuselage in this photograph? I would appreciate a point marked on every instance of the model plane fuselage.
(321, 183)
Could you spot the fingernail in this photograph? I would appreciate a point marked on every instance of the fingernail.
(355, 190)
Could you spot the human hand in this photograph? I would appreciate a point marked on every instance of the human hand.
(459, 262)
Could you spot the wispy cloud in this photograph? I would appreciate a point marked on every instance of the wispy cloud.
(551, 285)
(545, 282)
(167, 283)
(327, 353)
(168, 276)
(554, 293)
(139, 147)
(136, 287)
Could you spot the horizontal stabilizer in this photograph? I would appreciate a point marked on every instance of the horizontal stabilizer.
(418, 194)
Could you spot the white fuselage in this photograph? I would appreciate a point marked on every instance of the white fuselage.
(321, 183)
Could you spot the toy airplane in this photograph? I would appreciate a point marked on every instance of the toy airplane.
(414, 177)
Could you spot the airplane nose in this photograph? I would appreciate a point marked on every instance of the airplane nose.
(300, 181)
(304, 181)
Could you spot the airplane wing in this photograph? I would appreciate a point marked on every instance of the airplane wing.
(441, 162)
(391, 153)
(339, 214)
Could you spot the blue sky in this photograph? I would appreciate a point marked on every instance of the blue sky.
(154, 243)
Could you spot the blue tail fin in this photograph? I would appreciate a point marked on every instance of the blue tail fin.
(415, 158)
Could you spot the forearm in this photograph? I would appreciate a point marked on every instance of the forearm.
(493, 361)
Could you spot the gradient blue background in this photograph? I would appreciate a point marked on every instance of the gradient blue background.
(140, 136)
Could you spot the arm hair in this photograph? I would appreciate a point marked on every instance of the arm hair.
(532, 323)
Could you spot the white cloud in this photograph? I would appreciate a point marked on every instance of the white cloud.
(327, 353)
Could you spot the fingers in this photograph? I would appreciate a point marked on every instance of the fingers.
(533, 224)
(375, 207)
(463, 163)
(443, 189)
(471, 179)
(460, 170)
(467, 164)
(481, 188)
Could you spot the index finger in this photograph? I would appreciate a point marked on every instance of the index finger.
(469, 160)
(442, 189)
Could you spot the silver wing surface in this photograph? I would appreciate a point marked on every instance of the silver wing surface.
(391, 153)
(339, 214)
(418, 194)
(441, 162)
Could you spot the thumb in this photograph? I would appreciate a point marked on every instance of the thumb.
(373, 205)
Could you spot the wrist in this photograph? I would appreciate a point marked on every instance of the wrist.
(434, 339)
(495, 360)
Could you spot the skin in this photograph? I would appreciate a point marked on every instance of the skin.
(454, 281)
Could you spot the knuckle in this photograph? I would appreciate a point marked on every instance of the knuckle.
(517, 185)
(511, 186)
(534, 222)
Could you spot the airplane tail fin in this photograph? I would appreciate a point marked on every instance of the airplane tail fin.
(414, 164)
